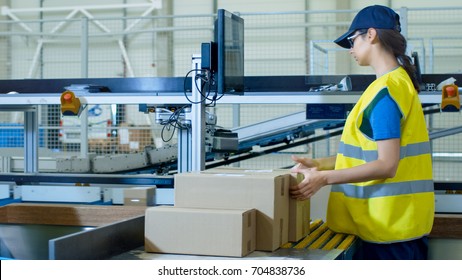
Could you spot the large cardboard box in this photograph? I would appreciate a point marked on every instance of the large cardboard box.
(299, 210)
(140, 196)
(216, 232)
(268, 194)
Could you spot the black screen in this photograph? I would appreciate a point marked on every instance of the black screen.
(229, 39)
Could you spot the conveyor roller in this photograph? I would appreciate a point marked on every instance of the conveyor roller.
(321, 237)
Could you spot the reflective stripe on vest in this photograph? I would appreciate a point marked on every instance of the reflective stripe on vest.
(368, 156)
(381, 190)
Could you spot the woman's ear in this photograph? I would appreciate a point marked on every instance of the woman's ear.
(372, 35)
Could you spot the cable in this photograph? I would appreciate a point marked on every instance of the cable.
(195, 82)
(206, 82)
(173, 123)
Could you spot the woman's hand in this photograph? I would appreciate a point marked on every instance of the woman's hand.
(313, 181)
(303, 163)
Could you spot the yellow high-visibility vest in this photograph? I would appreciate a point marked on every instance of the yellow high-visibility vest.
(394, 209)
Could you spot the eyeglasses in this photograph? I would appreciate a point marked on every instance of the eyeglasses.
(352, 38)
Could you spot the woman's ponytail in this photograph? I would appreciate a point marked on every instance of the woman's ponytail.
(395, 43)
(406, 62)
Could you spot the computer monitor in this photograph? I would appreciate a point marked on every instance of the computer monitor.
(229, 41)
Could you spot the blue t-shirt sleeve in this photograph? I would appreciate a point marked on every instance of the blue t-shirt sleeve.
(385, 119)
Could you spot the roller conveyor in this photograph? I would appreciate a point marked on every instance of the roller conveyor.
(321, 237)
(320, 244)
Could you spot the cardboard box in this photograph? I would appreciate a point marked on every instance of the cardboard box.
(102, 146)
(299, 210)
(215, 232)
(268, 194)
(299, 214)
(140, 196)
(133, 139)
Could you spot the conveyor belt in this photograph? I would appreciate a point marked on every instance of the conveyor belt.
(321, 237)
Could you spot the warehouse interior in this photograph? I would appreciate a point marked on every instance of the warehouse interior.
(107, 138)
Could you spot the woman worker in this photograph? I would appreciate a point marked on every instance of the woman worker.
(382, 186)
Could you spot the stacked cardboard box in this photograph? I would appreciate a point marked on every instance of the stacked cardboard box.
(268, 194)
(299, 210)
(279, 218)
(199, 231)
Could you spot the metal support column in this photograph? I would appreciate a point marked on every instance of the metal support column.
(84, 73)
(31, 132)
(191, 142)
(197, 120)
(184, 150)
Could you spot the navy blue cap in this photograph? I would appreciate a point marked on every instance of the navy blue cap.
(376, 16)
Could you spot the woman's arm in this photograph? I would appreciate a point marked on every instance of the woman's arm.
(327, 163)
(384, 167)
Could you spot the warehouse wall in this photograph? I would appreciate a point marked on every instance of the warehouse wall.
(150, 55)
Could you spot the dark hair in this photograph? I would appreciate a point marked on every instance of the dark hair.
(395, 43)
